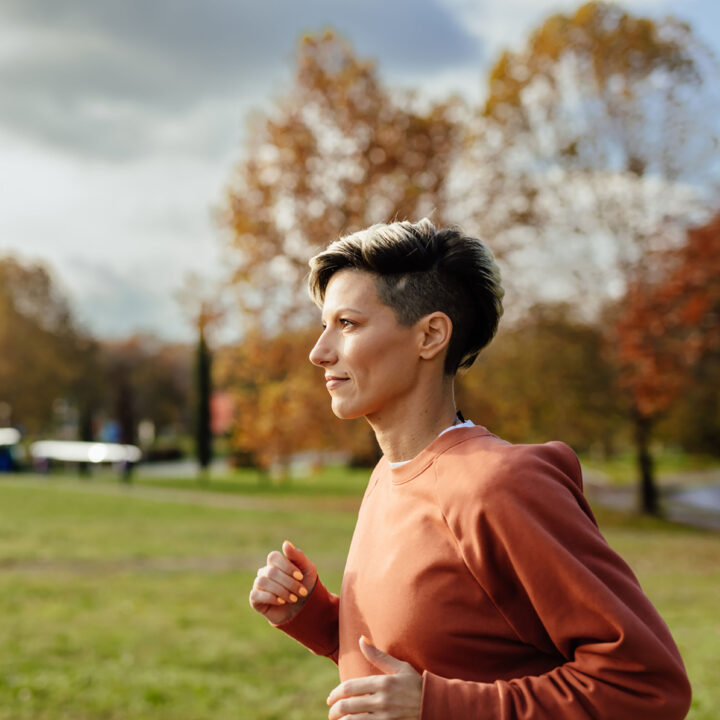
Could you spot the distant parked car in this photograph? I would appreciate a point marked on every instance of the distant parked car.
(9, 439)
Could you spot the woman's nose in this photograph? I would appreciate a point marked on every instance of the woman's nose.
(322, 354)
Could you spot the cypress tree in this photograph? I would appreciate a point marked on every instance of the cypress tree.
(203, 432)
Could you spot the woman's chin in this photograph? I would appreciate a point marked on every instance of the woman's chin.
(344, 411)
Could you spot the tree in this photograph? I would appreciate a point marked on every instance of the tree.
(281, 403)
(596, 145)
(203, 384)
(668, 323)
(146, 379)
(163, 381)
(339, 152)
(41, 345)
(592, 153)
(204, 306)
(548, 375)
(604, 125)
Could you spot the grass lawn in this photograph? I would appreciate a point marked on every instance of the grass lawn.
(131, 602)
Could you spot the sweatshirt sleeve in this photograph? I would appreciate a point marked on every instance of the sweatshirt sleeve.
(531, 541)
(316, 625)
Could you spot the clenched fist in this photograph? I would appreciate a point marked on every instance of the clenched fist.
(283, 585)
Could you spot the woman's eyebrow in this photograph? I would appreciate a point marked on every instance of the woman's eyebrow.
(342, 310)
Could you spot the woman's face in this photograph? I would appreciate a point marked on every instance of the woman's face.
(370, 359)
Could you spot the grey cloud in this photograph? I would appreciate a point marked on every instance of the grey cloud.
(115, 303)
(107, 70)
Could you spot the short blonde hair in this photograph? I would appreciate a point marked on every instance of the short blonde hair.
(421, 270)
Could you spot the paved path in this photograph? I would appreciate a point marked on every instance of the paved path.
(691, 498)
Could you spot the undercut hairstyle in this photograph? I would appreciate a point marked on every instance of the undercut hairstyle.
(421, 270)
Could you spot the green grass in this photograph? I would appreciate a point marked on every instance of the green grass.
(330, 480)
(114, 605)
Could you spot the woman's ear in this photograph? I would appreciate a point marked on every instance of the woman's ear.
(437, 329)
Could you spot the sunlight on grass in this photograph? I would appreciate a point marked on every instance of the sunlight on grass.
(117, 606)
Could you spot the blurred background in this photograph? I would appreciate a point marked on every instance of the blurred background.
(167, 171)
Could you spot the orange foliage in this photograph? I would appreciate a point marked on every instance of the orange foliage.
(613, 45)
(338, 153)
(667, 323)
(281, 404)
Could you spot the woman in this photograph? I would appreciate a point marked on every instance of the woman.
(477, 583)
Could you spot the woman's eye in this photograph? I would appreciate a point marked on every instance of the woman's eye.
(345, 322)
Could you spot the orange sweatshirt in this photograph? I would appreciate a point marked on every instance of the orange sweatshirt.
(481, 564)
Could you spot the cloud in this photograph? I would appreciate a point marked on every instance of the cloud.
(114, 304)
(98, 76)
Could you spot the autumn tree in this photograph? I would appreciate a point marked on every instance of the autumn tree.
(338, 152)
(548, 375)
(595, 145)
(281, 403)
(592, 153)
(41, 346)
(668, 326)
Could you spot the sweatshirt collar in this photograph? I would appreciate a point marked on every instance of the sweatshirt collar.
(438, 446)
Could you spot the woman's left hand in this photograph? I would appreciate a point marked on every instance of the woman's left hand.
(395, 696)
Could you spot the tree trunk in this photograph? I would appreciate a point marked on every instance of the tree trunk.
(203, 429)
(648, 488)
(125, 407)
(85, 427)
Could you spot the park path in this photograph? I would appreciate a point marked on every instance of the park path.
(689, 498)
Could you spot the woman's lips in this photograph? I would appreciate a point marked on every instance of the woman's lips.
(332, 382)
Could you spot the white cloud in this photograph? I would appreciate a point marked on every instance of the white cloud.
(120, 122)
(113, 227)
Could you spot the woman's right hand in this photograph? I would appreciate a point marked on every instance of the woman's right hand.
(284, 584)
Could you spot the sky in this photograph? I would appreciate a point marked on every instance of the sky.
(121, 122)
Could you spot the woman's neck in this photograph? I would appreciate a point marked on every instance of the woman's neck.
(408, 427)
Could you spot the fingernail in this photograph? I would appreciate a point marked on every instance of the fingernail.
(290, 544)
(281, 601)
(303, 591)
(293, 598)
(327, 702)
(365, 639)
(298, 575)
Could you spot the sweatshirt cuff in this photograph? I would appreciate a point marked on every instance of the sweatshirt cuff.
(443, 698)
(316, 625)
